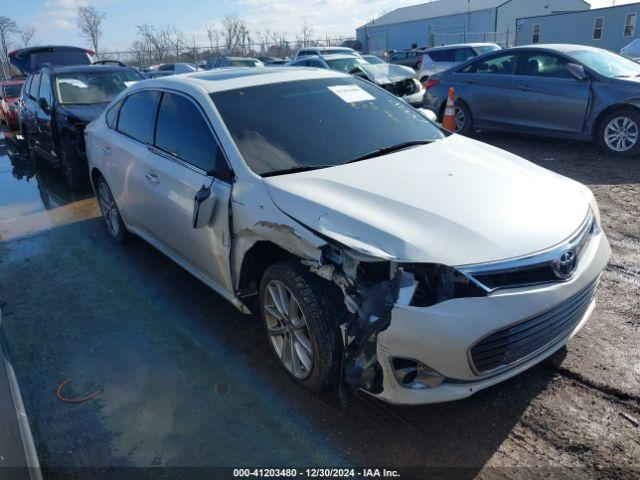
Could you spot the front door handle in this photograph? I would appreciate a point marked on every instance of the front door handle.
(524, 88)
(106, 150)
(152, 178)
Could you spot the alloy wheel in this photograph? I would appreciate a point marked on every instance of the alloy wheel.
(287, 329)
(621, 134)
(461, 118)
(109, 209)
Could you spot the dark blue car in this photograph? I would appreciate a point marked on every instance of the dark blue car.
(569, 91)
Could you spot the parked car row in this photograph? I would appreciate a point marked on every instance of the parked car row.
(346, 219)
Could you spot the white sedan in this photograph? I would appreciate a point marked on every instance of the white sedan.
(378, 250)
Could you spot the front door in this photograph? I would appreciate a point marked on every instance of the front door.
(548, 96)
(185, 158)
(44, 111)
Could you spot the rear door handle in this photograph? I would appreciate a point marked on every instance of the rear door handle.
(524, 88)
(152, 177)
(106, 150)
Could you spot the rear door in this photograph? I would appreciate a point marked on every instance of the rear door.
(185, 158)
(31, 108)
(547, 96)
(488, 86)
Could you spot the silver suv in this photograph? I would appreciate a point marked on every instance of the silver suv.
(439, 59)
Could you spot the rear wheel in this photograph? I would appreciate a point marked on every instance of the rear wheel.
(620, 133)
(302, 324)
(464, 119)
(110, 212)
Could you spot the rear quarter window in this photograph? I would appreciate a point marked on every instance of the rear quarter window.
(137, 116)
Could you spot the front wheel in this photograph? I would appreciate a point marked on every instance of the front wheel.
(464, 119)
(302, 324)
(620, 133)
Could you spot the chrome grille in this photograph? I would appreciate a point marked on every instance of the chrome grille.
(520, 342)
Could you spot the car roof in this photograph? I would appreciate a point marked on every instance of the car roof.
(218, 80)
(326, 48)
(459, 45)
(557, 47)
(85, 68)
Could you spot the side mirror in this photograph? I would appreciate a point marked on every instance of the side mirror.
(428, 114)
(577, 71)
(43, 104)
(203, 206)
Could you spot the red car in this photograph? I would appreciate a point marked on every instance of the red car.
(9, 96)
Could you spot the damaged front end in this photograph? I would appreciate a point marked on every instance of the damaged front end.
(372, 288)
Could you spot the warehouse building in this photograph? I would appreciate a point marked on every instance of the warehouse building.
(444, 22)
(611, 28)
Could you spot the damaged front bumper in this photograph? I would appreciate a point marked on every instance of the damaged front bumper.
(444, 337)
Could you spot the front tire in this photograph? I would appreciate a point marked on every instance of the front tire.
(301, 321)
(110, 213)
(619, 133)
(464, 119)
(74, 169)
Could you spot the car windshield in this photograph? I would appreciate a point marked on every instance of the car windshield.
(92, 87)
(321, 123)
(607, 63)
(249, 62)
(486, 49)
(345, 65)
(12, 91)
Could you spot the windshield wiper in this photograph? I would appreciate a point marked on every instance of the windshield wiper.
(387, 150)
(296, 169)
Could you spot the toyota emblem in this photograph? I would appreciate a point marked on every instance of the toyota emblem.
(566, 265)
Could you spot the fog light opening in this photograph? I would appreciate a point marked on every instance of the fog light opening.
(415, 375)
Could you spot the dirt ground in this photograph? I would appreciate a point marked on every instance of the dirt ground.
(186, 380)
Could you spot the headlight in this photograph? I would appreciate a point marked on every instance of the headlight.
(439, 283)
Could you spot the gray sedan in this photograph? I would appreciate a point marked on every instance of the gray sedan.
(568, 91)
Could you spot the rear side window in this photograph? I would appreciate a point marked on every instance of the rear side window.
(112, 116)
(183, 132)
(137, 116)
(443, 55)
(34, 89)
(463, 54)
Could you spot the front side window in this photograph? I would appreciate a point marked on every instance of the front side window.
(598, 28)
(544, 65)
(34, 91)
(500, 65)
(463, 54)
(321, 123)
(45, 89)
(630, 24)
(137, 116)
(536, 33)
(92, 87)
(183, 132)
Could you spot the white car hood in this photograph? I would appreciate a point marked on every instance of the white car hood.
(455, 202)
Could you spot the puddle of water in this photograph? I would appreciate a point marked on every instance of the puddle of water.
(34, 197)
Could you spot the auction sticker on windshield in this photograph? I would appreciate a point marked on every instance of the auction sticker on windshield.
(351, 93)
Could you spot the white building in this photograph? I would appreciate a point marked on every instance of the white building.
(443, 22)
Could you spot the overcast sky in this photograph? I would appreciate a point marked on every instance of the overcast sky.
(54, 20)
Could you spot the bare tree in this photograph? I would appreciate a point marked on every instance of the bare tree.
(155, 42)
(175, 38)
(214, 37)
(26, 35)
(7, 28)
(234, 31)
(89, 21)
(303, 37)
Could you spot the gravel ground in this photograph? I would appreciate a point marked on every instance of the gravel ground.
(186, 380)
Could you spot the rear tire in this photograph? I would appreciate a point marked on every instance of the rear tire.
(619, 133)
(464, 119)
(311, 331)
(110, 213)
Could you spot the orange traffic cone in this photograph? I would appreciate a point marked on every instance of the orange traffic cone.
(449, 120)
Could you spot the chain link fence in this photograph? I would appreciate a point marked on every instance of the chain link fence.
(283, 49)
